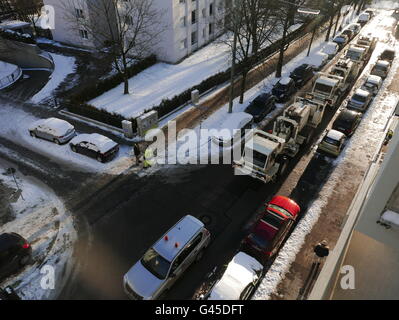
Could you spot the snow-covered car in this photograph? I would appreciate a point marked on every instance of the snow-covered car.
(342, 40)
(239, 279)
(52, 129)
(363, 18)
(360, 100)
(372, 84)
(95, 146)
(355, 27)
(284, 89)
(318, 60)
(330, 48)
(332, 143)
(233, 129)
(381, 69)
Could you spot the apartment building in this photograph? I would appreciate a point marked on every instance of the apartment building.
(186, 25)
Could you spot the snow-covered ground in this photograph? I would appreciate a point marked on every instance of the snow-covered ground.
(40, 217)
(164, 81)
(14, 124)
(367, 137)
(63, 67)
(6, 69)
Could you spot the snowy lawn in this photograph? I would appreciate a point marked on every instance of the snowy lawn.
(368, 135)
(41, 218)
(63, 67)
(14, 124)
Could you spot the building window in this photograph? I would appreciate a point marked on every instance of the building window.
(129, 20)
(79, 13)
(211, 9)
(183, 44)
(193, 16)
(83, 34)
(210, 28)
(204, 33)
(183, 21)
(194, 38)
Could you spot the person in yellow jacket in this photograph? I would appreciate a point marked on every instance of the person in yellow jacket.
(148, 158)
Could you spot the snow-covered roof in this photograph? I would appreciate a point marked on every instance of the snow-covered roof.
(327, 81)
(357, 49)
(354, 25)
(54, 126)
(374, 79)
(240, 272)
(335, 135)
(330, 48)
(103, 143)
(14, 24)
(382, 63)
(285, 81)
(362, 93)
(364, 17)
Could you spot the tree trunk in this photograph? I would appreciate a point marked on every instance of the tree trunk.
(330, 27)
(280, 62)
(336, 24)
(243, 85)
(126, 83)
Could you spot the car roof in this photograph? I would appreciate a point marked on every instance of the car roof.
(335, 135)
(9, 239)
(374, 79)
(382, 63)
(362, 92)
(238, 275)
(102, 142)
(285, 81)
(181, 233)
(234, 121)
(347, 114)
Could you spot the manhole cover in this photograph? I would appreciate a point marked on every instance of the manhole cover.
(206, 219)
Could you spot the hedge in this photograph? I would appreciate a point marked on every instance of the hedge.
(16, 36)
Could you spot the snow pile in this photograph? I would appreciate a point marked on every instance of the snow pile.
(41, 218)
(63, 67)
(360, 149)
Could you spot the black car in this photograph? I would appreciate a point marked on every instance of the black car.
(302, 74)
(284, 89)
(347, 121)
(342, 40)
(388, 55)
(261, 106)
(15, 252)
(349, 33)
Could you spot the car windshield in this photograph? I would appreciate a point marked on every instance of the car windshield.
(259, 159)
(156, 264)
(331, 141)
(259, 241)
(380, 67)
(282, 210)
(299, 71)
(388, 55)
(359, 98)
(320, 87)
(272, 219)
(281, 87)
(369, 85)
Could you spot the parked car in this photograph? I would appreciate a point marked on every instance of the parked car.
(371, 12)
(381, 69)
(331, 49)
(167, 260)
(261, 106)
(52, 129)
(318, 60)
(355, 27)
(15, 253)
(363, 19)
(302, 74)
(332, 143)
(349, 33)
(233, 129)
(360, 100)
(284, 89)
(268, 233)
(342, 40)
(347, 121)
(388, 55)
(95, 146)
(239, 279)
(372, 84)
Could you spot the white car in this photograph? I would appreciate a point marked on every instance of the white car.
(372, 84)
(332, 143)
(363, 18)
(318, 60)
(239, 279)
(52, 129)
(331, 48)
(233, 129)
(94, 146)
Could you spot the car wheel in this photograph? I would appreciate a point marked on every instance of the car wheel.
(73, 148)
(199, 255)
(25, 260)
(56, 141)
(32, 134)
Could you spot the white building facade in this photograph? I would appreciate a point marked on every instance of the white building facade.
(186, 25)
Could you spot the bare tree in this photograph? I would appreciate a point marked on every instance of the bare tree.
(28, 10)
(126, 30)
(254, 24)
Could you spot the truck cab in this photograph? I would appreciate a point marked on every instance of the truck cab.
(325, 89)
(261, 158)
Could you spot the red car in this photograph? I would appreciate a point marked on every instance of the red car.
(271, 229)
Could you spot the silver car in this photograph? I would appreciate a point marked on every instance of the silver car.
(381, 69)
(52, 129)
(360, 100)
(167, 260)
